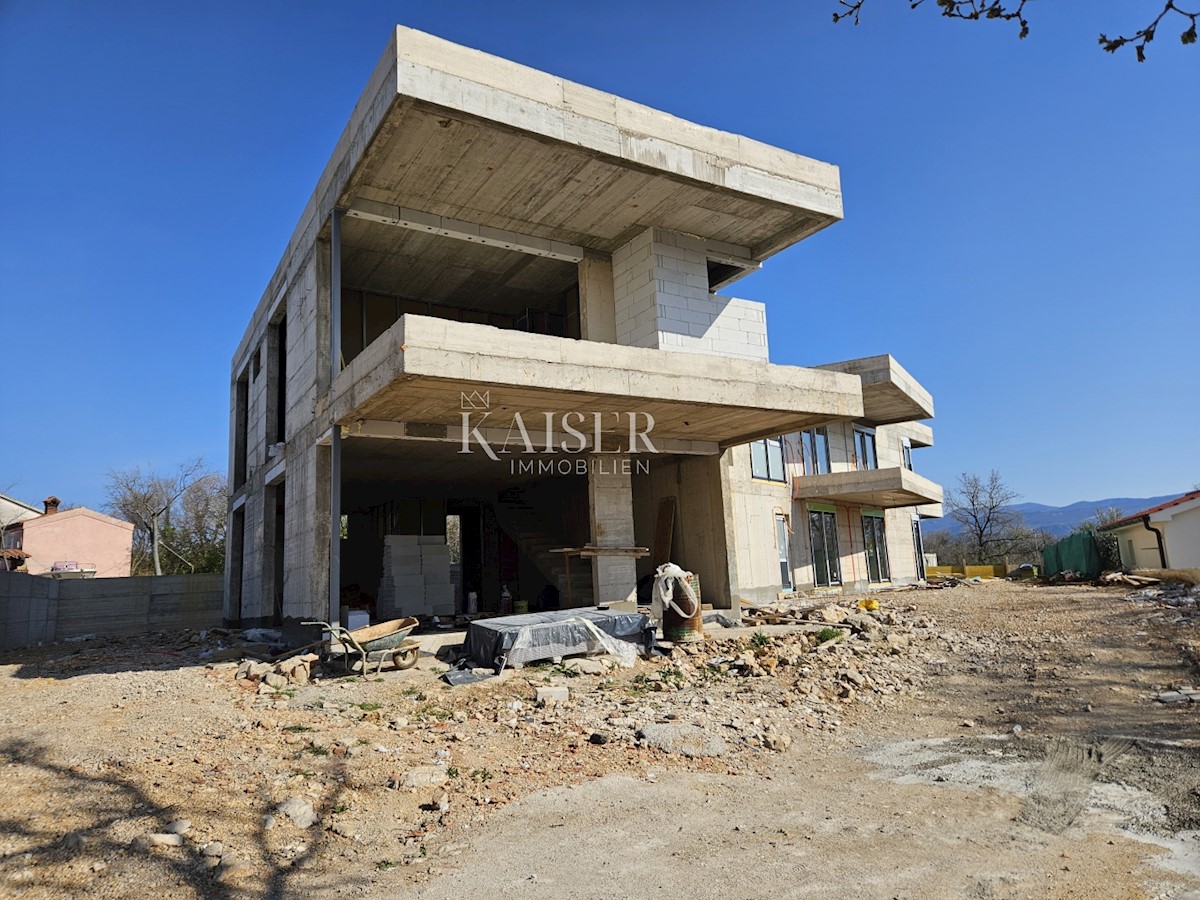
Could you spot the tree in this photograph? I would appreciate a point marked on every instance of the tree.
(1106, 541)
(179, 519)
(991, 529)
(1014, 11)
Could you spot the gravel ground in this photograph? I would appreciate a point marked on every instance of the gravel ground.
(993, 741)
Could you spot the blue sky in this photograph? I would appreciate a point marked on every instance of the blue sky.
(1022, 217)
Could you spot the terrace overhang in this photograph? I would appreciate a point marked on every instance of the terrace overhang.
(890, 394)
(471, 137)
(878, 488)
(431, 372)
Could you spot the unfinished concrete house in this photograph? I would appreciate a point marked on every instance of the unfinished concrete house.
(503, 317)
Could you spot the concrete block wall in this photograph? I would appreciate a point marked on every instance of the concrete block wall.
(662, 301)
(610, 495)
(36, 609)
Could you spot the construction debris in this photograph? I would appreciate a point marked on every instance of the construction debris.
(1131, 580)
(277, 676)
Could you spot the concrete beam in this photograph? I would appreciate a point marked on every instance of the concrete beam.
(415, 220)
(611, 441)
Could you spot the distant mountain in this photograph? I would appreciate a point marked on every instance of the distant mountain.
(1060, 520)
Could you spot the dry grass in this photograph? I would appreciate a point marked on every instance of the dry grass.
(1183, 576)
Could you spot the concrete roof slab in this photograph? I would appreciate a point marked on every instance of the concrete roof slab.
(890, 394)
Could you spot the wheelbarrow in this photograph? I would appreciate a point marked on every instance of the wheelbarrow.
(375, 643)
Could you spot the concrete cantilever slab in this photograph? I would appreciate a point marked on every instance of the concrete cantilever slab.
(882, 488)
(420, 367)
(890, 394)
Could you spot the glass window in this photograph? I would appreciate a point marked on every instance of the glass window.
(766, 459)
(758, 459)
(906, 453)
(814, 447)
(784, 546)
(864, 448)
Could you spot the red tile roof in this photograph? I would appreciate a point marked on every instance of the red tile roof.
(1191, 495)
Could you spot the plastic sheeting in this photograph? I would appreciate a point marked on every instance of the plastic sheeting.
(1075, 553)
(665, 577)
(518, 640)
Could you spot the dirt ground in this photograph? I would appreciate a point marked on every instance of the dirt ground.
(993, 741)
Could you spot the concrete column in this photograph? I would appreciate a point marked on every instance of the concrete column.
(306, 533)
(610, 508)
(597, 312)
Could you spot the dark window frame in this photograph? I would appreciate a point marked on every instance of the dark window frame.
(879, 570)
(822, 526)
(866, 448)
(814, 448)
(773, 465)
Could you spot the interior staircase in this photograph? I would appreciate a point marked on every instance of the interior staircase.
(529, 531)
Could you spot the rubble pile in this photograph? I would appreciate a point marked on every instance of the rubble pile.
(1178, 603)
(272, 677)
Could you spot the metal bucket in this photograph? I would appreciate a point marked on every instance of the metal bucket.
(678, 627)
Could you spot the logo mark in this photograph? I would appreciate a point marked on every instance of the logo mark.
(475, 400)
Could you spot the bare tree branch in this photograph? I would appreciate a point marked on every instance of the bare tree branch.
(182, 513)
(1014, 10)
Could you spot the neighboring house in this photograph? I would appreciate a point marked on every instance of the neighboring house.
(75, 540)
(12, 510)
(500, 306)
(1166, 536)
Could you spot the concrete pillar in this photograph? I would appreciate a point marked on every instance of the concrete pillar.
(306, 534)
(597, 312)
(610, 508)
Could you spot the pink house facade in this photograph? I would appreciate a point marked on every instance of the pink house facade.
(80, 536)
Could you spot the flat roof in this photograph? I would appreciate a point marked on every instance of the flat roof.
(462, 134)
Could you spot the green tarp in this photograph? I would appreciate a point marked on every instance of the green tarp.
(1075, 553)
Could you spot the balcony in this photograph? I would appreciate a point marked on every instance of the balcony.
(890, 394)
(878, 488)
(422, 371)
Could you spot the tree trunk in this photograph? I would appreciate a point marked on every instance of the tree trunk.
(154, 545)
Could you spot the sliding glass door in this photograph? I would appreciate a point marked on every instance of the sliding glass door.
(822, 532)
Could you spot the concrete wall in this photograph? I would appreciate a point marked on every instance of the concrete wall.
(81, 535)
(756, 502)
(1182, 535)
(1139, 547)
(36, 609)
(705, 533)
(661, 296)
(301, 470)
